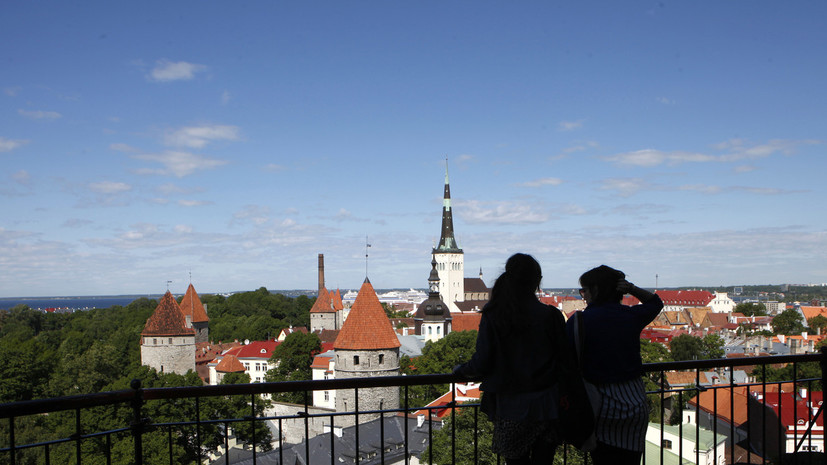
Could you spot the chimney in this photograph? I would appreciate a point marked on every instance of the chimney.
(321, 271)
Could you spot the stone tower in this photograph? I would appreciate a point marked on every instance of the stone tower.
(367, 346)
(323, 314)
(167, 344)
(450, 262)
(196, 315)
(433, 318)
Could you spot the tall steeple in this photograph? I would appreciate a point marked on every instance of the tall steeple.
(447, 241)
(450, 263)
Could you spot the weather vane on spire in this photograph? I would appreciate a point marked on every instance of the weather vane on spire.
(367, 245)
(168, 283)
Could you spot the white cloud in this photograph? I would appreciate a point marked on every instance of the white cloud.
(624, 186)
(193, 203)
(109, 187)
(199, 136)
(166, 70)
(275, 167)
(567, 126)
(745, 168)
(183, 228)
(651, 157)
(12, 91)
(225, 97)
(178, 164)
(542, 182)
(7, 145)
(22, 177)
(120, 147)
(503, 212)
(39, 114)
(666, 101)
(738, 148)
(256, 214)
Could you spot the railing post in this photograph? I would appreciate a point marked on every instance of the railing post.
(823, 364)
(137, 422)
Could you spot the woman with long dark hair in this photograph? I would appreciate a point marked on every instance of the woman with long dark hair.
(518, 340)
(610, 351)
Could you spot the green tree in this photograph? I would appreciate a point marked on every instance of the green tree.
(751, 309)
(240, 407)
(712, 346)
(654, 352)
(686, 347)
(292, 360)
(462, 421)
(438, 357)
(788, 322)
(818, 323)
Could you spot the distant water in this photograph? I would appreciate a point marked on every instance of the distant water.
(72, 303)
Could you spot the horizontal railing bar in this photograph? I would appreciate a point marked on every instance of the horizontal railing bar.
(37, 406)
(64, 440)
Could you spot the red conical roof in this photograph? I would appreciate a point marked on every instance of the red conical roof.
(367, 326)
(167, 319)
(230, 364)
(323, 303)
(191, 306)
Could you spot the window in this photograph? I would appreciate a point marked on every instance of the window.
(154, 341)
(327, 396)
(667, 444)
(170, 340)
(381, 358)
(355, 359)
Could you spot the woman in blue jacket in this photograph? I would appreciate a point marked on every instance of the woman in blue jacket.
(611, 360)
(519, 338)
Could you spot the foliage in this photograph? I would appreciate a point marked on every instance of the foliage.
(292, 360)
(809, 370)
(788, 322)
(392, 312)
(256, 315)
(818, 322)
(438, 357)
(687, 347)
(751, 309)
(463, 422)
(654, 352)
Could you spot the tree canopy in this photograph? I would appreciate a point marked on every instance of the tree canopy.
(788, 322)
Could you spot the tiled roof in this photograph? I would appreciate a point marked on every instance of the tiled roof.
(475, 285)
(230, 364)
(683, 378)
(811, 312)
(336, 300)
(466, 321)
(327, 335)
(686, 298)
(257, 349)
(471, 305)
(191, 305)
(167, 319)
(323, 303)
(367, 326)
(718, 400)
(322, 361)
(795, 409)
(717, 319)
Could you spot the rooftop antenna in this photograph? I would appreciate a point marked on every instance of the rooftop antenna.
(656, 281)
(168, 283)
(367, 245)
(190, 275)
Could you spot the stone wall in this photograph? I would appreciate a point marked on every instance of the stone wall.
(293, 428)
(177, 356)
(372, 363)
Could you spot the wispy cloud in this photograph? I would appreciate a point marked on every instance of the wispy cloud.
(624, 187)
(738, 150)
(178, 164)
(194, 203)
(567, 126)
(7, 145)
(199, 136)
(225, 97)
(165, 71)
(22, 177)
(109, 187)
(503, 212)
(255, 214)
(12, 91)
(542, 182)
(120, 147)
(275, 167)
(37, 114)
(666, 101)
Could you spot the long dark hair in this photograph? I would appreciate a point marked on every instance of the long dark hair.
(516, 286)
(602, 282)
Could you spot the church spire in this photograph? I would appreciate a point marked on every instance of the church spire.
(447, 241)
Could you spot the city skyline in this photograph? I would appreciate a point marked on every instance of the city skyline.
(228, 145)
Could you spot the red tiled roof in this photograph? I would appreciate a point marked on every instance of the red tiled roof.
(718, 319)
(323, 303)
(191, 306)
(686, 298)
(336, 300)
(167, 320)
(466, 321)
(230, 364)
(321, 362)
(811, 312)
(257, 349)
(327, 335)
(367, 326)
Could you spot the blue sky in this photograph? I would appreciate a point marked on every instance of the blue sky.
(144, 141)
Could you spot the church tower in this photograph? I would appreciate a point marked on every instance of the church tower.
(367, 346)
(433, 319)
(196, 315)
(450, 262)
(167, 343)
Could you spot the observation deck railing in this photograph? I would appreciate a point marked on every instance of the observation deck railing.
(761, 436)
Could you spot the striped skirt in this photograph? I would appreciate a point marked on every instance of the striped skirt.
(624, 415)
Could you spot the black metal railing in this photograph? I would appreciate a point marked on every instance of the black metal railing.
(750, 431)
